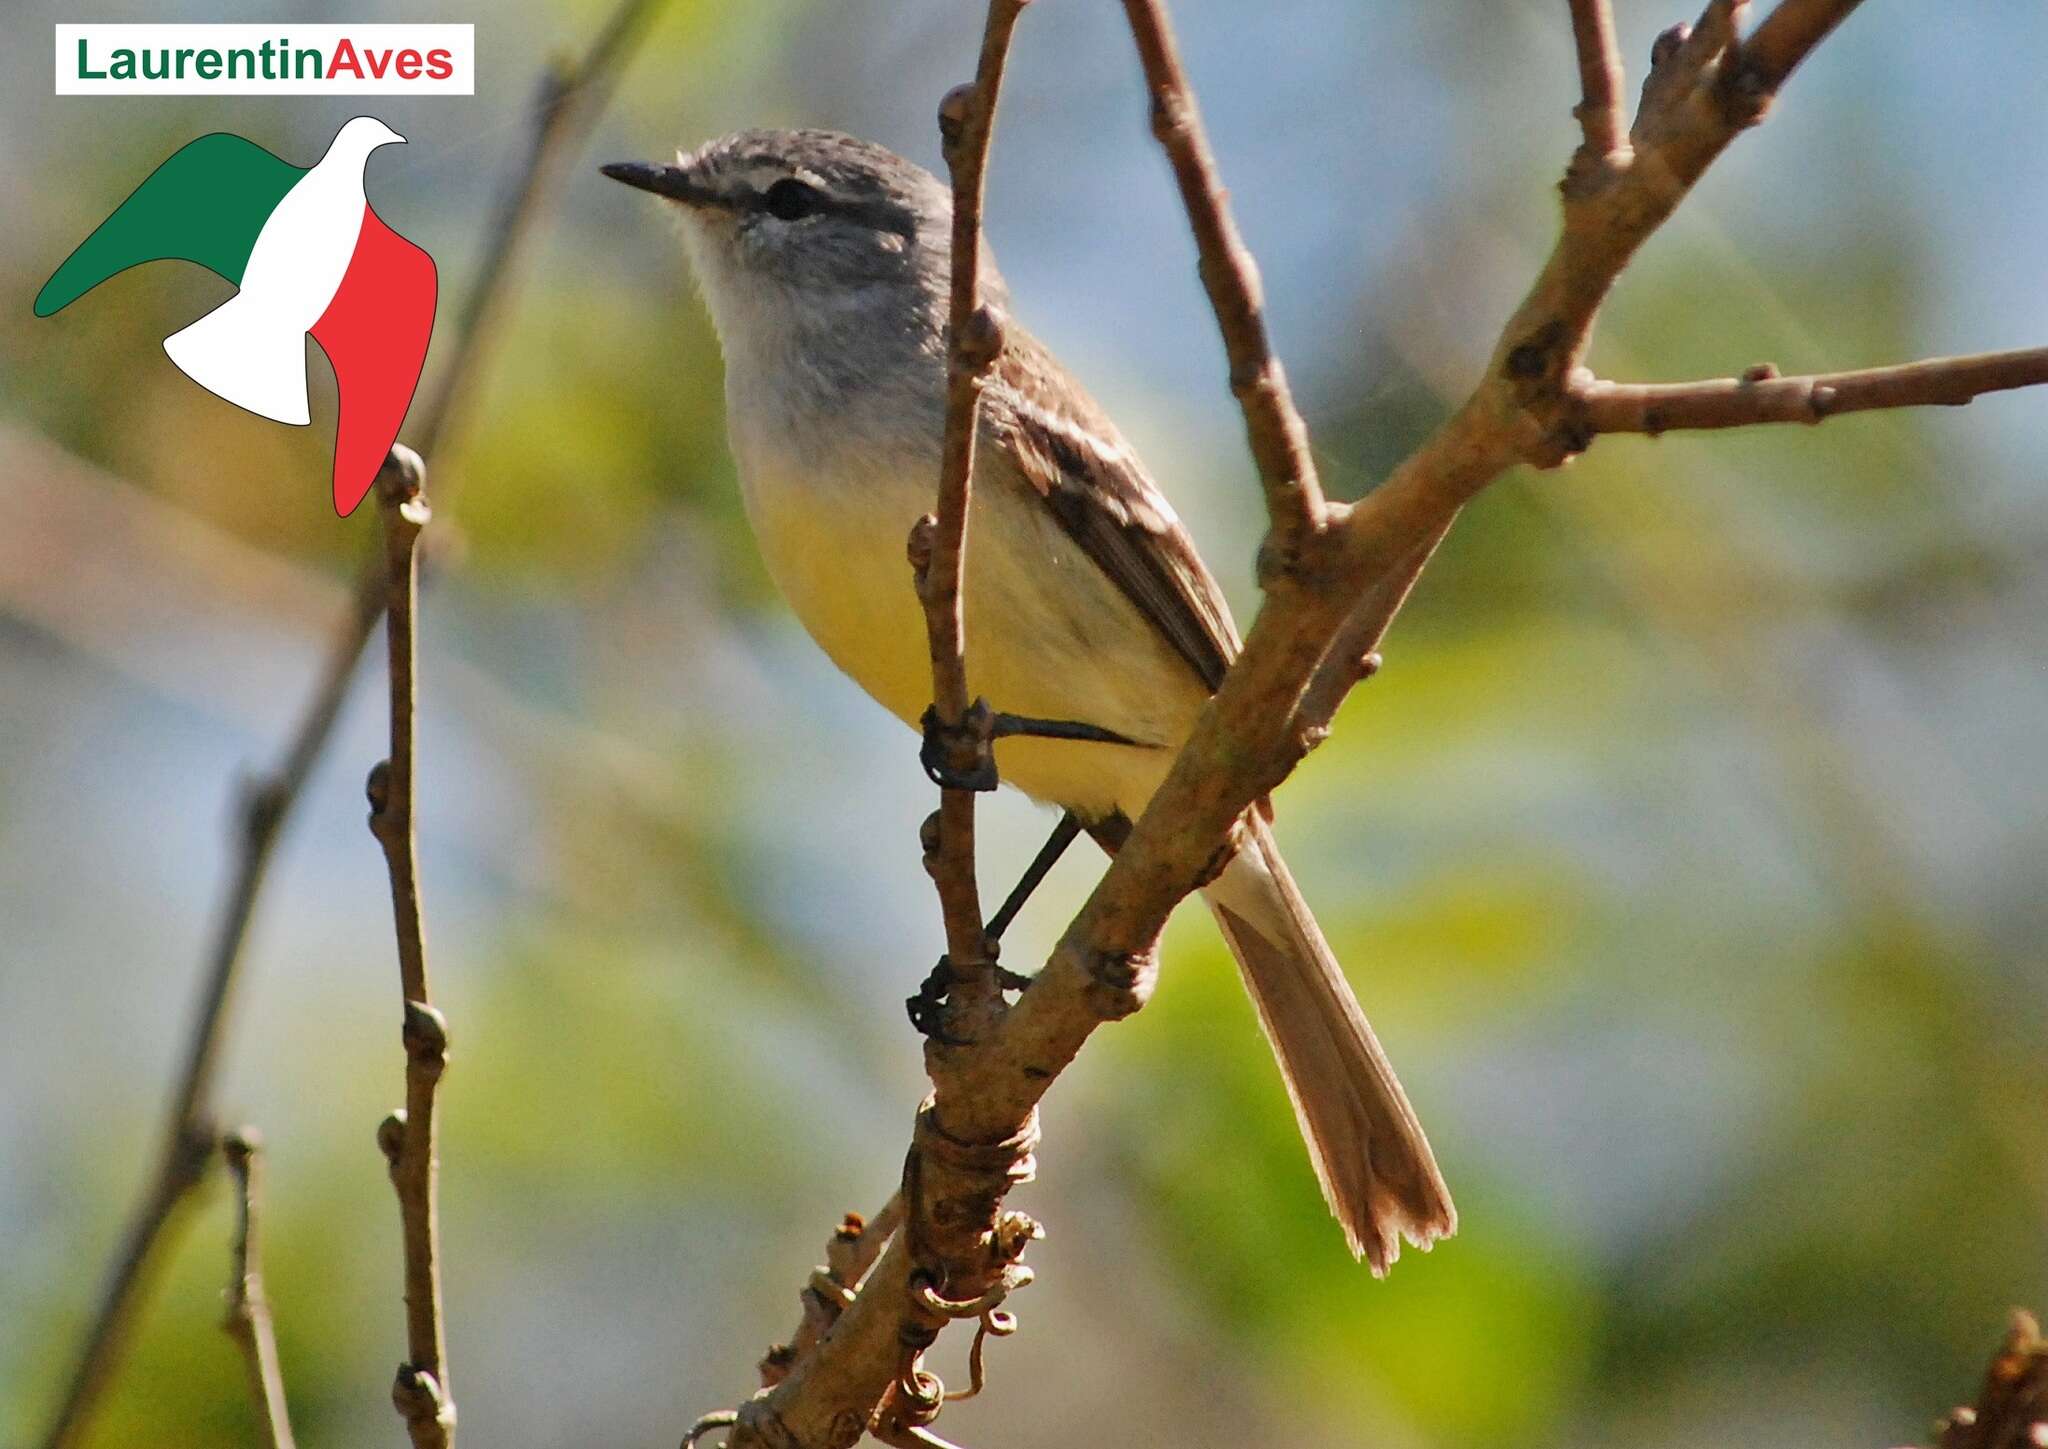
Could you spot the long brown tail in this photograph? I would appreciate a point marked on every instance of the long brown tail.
(1369, 1152)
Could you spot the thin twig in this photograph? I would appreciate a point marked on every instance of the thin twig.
(871, 1349)
(1788, 36)
(1600, 78)
(1761, 396)
(850, 1252)
(1279, 438)
(409, 1136)
(571, 102)
(1307, 646)
(248, 1317)
(939, 549)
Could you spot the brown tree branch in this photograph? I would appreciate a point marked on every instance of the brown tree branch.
(1279, 438)
(1327, 604)
(849, 1254)
(938, 546)
(569, 102)
(1761, 396)
(1600, 78)
(248, 1319)
(1788, 35)
(955, 1248)
(408, 1137)
(1522, 411)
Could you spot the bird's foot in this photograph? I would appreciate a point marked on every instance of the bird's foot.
(962, 757)
(927, 1009)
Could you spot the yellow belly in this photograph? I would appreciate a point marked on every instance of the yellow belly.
(1048, 634)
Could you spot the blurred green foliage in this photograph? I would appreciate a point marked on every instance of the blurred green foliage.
(1686, 854)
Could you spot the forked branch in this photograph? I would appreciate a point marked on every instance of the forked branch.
(1334, 576)
(248, 1319)
(956, 1250)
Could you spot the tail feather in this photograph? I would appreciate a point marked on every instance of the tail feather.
(1375, 1166)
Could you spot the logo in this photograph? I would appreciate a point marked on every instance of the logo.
(307, 255)
(266, 60)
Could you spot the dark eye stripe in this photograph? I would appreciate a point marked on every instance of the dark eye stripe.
(875, 213)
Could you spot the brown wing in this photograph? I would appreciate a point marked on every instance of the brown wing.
(1098, 490)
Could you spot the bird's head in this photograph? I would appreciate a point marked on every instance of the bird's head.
(813, 224)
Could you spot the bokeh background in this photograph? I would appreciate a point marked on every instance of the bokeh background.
(1688, 854)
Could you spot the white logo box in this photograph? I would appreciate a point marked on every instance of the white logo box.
(231, 60)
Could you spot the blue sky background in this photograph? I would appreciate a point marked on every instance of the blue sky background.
(1687, 854)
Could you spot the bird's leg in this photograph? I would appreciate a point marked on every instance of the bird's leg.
(960, 756)
(1063, 835)
(926, 1009)
(1002, 726)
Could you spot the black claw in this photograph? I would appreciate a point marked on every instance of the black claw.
(936, 752)
(927, 1009)
(981, 726)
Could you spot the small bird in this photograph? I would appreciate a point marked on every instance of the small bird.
(825, 263)
(307, 254)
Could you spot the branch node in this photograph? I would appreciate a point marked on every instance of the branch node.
(391, 1137)
(980, 342)
(418, 1397)
(425, 1034)
(919, 547)
(1668, 43)
(955, 107)
(402, 475)
(377, 790)
(1121, 982)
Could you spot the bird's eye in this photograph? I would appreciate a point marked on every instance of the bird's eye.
(791, 200)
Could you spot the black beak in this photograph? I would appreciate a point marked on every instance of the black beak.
(670, 181)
